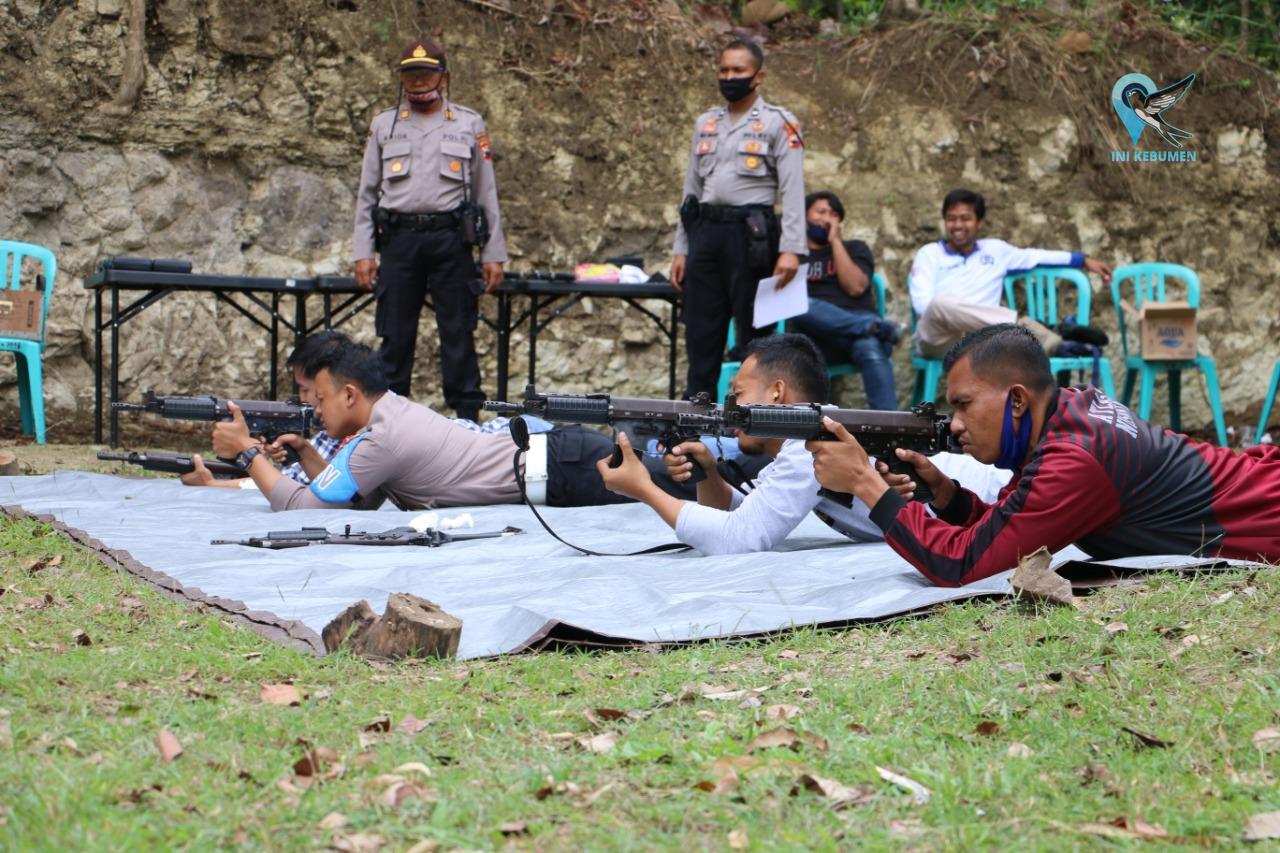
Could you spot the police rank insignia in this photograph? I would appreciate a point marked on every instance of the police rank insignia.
(757, 126)
(482, 140)
(404, 114)
(704, 147)
(711, 126)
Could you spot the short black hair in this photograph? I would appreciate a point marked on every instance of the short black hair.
(829, 197)
(312, 345)
(969, 197)
(1007, 350)
(351, 363)
(795, 359)
(757, 53)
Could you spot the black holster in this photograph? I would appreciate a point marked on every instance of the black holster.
(759, 243)
(474, 224)
(381, 219)
(689, 212)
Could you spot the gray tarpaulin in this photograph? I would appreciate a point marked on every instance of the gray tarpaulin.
(510, 593)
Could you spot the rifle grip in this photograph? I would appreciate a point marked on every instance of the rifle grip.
(615, 458)
(922, 492)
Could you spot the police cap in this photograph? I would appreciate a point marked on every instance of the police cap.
(422, 55)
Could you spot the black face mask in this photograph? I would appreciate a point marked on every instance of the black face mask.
(735, 88)
(819, 234)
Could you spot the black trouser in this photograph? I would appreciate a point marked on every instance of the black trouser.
(573, 479)
(413, 264)
(719, 284)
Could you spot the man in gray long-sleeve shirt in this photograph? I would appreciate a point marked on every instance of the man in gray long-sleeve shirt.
(425, 159)
(743, 156)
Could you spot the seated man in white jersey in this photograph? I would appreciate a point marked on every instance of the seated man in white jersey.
(957, 283)
(785, 369)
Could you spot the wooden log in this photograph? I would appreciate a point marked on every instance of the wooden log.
(349, 627)
(9, 465)
(412, 627)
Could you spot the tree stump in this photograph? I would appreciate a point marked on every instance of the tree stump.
(349, 627)
(9, 465)
(412, 627)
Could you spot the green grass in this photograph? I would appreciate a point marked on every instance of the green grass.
(80, 767)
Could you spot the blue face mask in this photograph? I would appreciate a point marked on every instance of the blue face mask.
(1014, 441)
(819, 234)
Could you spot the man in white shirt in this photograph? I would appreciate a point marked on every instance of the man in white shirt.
(957, 283)
(785, 369)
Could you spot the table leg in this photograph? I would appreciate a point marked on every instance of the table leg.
(504, 343)
(533, 338)
(275, 345)
(115, 364)
(673, 341)
(97, 366)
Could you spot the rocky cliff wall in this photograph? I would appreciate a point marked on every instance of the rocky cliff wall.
(242, 155)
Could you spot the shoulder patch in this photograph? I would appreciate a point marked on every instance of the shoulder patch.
(335, 484)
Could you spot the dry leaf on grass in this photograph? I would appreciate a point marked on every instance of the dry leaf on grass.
(514, 827)
(333, 820)
(359, 842)
(610, 714)
(785, 736)
(857, 728)
(411, 725)
(413, 767)
(1019, 750)
(168, 745)
(1262, 827)
(603, 742)
(280, 694)
(381, 724)
(1122, 827)
(840, 795)
(81, 638)
(1266, 740)
(782, 712)
(738, 840)
(1116, 628)
(788, 654)
(426, 845)
(919, 793)
(987, 728)
(1147, 740)
(1034, 580)
(399, 792)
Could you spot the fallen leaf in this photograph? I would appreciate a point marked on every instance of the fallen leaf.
(1019, 750)
(785, 736)
(909, 828)
(919, 793)
(857, 728)
(1095, 772)
(1262, 827)
(71, 746)
(782, 712)
(359, 842)
(514, 827)
(840, 796)
(1267, 740)
(1116, 628)
(381, 724)
(987, 728)
(426, 845)
(413, 767)
(1121, 827)
(738, 840)
(399, 792)
(788, 654)
(1034, 580)
(1147, 740)
(280, 694)
(333, 820)
(411, 725)
(81, 638)
(611, 714)
(603, 742)
(168, 745)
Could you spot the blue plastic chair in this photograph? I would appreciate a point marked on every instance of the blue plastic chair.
(729, 369)
(928, 370)
(878, 288)
(28, 352)
(1266, 407)
(1148, 283)
(1039, 290)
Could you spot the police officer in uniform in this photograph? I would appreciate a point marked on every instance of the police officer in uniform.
(427, 194)
(744, 154)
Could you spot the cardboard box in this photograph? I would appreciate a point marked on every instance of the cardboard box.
(20, 314)
(1168, 331)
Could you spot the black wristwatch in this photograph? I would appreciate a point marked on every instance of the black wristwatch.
(246, 457)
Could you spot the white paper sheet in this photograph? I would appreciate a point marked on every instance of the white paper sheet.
(773, 304)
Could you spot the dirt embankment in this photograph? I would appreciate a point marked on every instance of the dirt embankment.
(242, 155)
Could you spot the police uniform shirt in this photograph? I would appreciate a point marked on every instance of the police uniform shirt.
(423, 167)
(748, 161)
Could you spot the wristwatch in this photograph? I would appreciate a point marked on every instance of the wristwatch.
(246, 457)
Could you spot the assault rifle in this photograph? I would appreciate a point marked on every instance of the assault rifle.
(879, 432)
(641, 418)
(175, 464)
(266, 418)
(427, 538)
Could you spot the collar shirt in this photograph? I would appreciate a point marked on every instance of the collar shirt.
(978, 277)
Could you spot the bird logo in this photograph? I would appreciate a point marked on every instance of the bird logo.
(1140, 105)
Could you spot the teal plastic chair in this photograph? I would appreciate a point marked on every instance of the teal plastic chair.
(1266, 407)
(28, 352)
(1039, 291)
(1147, 281)
(878, 286)
(928, 370)
(729, 369)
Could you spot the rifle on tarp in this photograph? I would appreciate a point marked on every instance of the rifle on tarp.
(880, 433)
(269, 419)
(641, 418)
(428, 537)
(171, 464)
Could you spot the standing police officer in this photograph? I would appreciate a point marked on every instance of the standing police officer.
(427, 196)
(729, 236)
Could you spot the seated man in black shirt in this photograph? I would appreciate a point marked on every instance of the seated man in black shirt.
(842, 316)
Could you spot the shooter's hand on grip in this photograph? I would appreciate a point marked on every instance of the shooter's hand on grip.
(689, 461)
(930, 485)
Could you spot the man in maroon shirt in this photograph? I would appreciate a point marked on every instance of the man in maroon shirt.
(1086, 471)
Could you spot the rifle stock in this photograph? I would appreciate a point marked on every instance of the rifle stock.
(171, 464)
